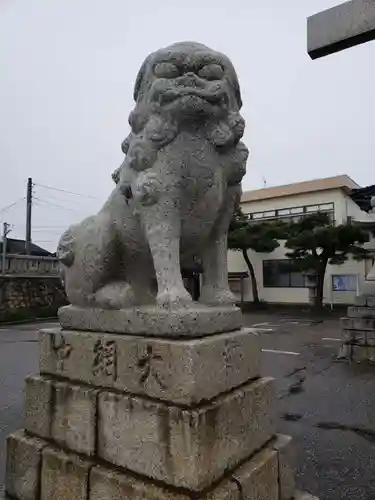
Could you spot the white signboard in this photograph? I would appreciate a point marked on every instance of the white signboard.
(344, 282)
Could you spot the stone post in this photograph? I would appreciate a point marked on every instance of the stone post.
(358, 328)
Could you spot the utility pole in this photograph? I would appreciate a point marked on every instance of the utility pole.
(29, 202)
(6, 230)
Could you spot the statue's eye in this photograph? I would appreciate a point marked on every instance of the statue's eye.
(166, 70)
(211, 72)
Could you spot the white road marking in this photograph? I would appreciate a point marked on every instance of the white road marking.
(261, 324)
(282, 352)
(264, 329)
(332, 339)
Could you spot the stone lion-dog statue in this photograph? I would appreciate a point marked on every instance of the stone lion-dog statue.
(175, 193)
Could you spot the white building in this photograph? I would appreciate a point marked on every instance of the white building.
(276, 283)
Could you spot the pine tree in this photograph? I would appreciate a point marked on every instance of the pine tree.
(314, 241)
(246, 235)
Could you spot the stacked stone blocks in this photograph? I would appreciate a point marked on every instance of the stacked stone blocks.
(114, 415)
(358, 331)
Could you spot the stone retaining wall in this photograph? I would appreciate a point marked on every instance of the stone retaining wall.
(24, 297)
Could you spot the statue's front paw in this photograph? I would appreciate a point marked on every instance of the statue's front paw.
(217, 297)
(174, 298)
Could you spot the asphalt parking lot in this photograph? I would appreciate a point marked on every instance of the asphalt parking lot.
(327, 406)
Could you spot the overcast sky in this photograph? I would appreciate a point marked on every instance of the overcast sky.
(67, 69)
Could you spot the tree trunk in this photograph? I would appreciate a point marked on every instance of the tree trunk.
(254, 285)
(318, 302)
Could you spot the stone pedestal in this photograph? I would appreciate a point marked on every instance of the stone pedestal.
(175, 415)
(358, 331)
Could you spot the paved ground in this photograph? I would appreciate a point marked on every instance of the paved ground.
(328, 407)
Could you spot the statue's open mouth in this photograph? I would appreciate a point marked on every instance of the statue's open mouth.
(214, 98)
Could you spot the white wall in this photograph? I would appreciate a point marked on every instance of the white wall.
(336, 196)
(236, 263)
(344, 207)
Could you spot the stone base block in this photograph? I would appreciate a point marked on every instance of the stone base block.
(36, 471)
(180, 371)
(63, 476)
(74, 417)
(363, 323)
(300, 495)
(67, 413)
(357, 353)
(257, 479)
(187, 448)
(363, 300)
(196, 321)
(365, 338)
(368, 289)
(361, 312)
(357, 345)
(286, 460)
(38, 408)
(24, 459)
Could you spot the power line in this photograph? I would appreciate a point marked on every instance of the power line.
(57, 231)
(12, 204)
(51, 227)
(57, 205)
(65, 191)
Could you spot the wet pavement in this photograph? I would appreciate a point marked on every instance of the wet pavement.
(327, 406)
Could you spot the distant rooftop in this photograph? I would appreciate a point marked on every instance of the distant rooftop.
(15, 246)
(363, 197)
(338, 182)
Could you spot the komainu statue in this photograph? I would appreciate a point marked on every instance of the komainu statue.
(175, 193)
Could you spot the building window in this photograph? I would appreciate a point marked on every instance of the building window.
(294, 213)
(282, 273)
(312, 208)
(284, 211)
(297, 210)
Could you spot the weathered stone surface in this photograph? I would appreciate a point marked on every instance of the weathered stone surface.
(24, 458)
(38, 406)
(340, 27)
(181, 371)
(360, 301)
(361, 312)
(74, 417)
(226, 490)
(194, 321)
(358, 323)
(259, 476)
(364, 301)
(175, 192)
(62, 411)
(358, 353)
(23, 292)
(368, 289)
(300, 495)
(256, 479)
(3, 495)
(64, 477)
(185, 447)
(107, 484)
(359, 337)
(286, 461)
